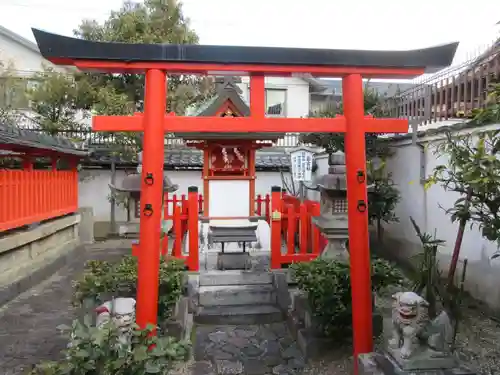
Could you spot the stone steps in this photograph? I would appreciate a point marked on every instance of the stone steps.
(239, 314)
(225, 295)
(237, 297)
(235, 277)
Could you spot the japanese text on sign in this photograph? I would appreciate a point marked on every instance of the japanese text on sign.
(301, 162)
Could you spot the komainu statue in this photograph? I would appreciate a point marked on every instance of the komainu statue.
(121, 312)
(415, 336)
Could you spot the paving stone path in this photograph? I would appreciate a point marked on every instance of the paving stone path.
(28, 324)
(249, 350)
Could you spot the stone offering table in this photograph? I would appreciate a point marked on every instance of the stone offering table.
(240, 232)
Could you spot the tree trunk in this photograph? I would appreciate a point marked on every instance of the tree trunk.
(379, 231)
(458, 244)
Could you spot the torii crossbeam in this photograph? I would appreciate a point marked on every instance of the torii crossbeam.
(156, 60)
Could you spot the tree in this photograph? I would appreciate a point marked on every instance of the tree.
(384, 195)
(12, 92)
(374, 104)
(154, 21)
(473, 171)
(56, 98)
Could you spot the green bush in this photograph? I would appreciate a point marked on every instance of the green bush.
(95, 351)
(100, 280)
(328, 287)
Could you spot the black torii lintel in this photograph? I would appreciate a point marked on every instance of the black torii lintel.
(55, 47)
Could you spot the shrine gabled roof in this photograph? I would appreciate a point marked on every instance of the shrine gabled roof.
(19, 140)
(227, 90)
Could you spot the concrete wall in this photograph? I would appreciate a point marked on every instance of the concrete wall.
(33, 251)
(26, 61)
(94, 192)
(408, 165)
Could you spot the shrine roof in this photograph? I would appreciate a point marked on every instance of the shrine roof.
(226, 90)
(187, 158)
(20, 140)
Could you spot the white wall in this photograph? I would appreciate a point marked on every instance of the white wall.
(25, 60)
(483, 274)
(297, 97)
(94, 189)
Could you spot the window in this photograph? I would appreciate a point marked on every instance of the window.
(275, 102)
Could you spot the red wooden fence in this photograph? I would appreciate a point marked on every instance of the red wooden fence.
(31, 196)
(301, 236)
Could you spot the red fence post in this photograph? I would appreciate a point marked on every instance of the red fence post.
(291, 228)
(303, 227)
(315, 233)
(200, 203)
(258, 208)
(177, 223)
(276, 227)
(164, 242)
(193, 261)
(268, 210)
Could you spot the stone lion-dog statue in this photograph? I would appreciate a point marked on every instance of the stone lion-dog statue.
(412, 329)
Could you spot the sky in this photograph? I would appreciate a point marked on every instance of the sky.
(345, 24)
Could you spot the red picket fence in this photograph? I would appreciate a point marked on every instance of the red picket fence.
(31, 196)
(184, 221)
(302, 237)
(184, 212)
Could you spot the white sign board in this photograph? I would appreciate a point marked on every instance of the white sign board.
(301, 161)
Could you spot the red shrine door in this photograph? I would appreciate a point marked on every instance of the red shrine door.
(156, 60)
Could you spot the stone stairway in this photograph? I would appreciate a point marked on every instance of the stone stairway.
(236, 297)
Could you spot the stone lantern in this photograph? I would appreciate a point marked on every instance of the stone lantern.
(332, 221)
(131, 186)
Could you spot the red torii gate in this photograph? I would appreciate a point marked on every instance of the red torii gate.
(258, 62)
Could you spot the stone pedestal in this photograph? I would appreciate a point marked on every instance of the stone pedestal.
(233, 261)
(385, 364)
(334, 229)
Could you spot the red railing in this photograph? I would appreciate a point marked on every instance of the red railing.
(184, 213)
(31, 196)
(170, 202)
(294, 225)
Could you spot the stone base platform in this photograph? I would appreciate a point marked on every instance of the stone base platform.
(384, 364)
(233, 261)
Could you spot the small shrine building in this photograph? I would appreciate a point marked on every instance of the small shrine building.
(229, 159)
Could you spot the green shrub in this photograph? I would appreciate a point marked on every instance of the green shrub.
(95, 351)
(100, 280)
(328, 287)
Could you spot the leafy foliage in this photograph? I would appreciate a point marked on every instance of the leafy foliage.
(328, 287)
(428, 276)
(55, 100)
(384, 195)
(333, 142)
(94, 351)
(473, 171)
(154, 21)
(101, 280)
(490, 114)
(12, 92)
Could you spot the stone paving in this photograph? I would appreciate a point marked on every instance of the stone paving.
(250, 350)
(28, 324)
